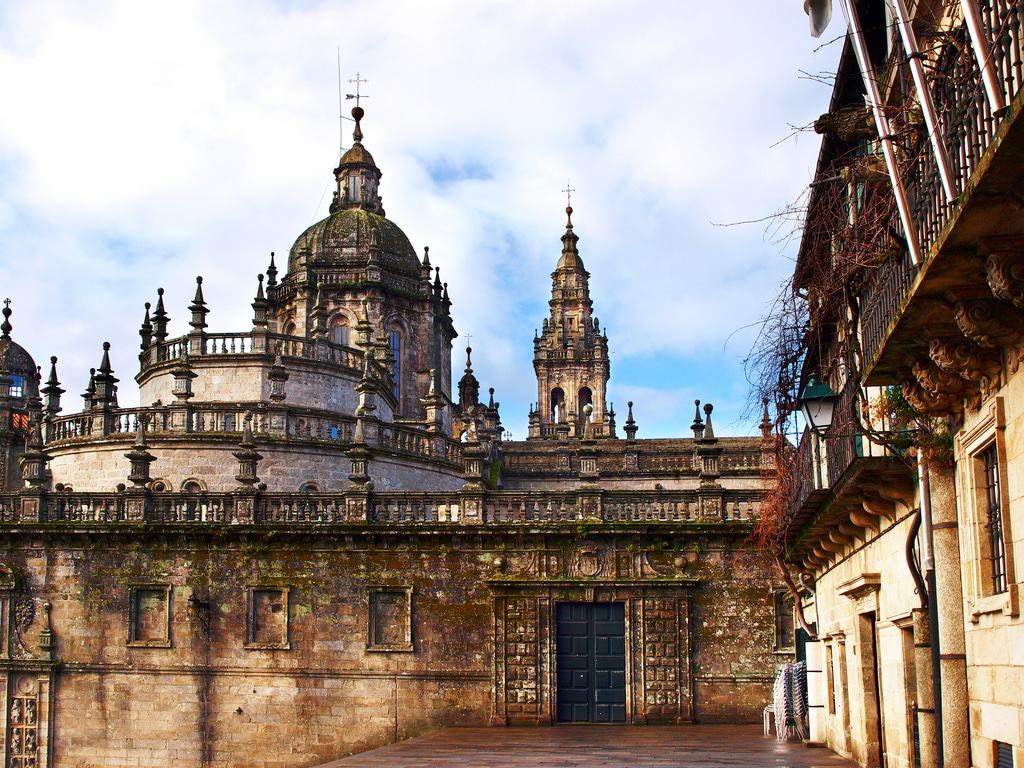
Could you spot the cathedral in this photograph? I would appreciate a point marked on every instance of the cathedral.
(311, 540)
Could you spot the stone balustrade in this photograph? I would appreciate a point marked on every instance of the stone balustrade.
(360, 506)
(268, 421)
(255, 342)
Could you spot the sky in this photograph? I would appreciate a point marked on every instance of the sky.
(142, 144)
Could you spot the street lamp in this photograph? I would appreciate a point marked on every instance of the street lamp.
(818, 403)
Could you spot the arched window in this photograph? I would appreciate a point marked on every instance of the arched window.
(395, 338)
(309, 487)
(160, 486)
(339, 331)
(557, 404)
(289, 328)
(584, 398)
(193, 486)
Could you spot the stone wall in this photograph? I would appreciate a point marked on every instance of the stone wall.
(164, 658)
(872, 579)
(99, 468)
(993, 621)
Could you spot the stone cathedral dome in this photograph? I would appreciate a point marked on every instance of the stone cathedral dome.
(345, 238)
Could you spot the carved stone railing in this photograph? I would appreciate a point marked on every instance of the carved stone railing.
(388, 508)
(968, 128)
(268, 421)
(255, 342)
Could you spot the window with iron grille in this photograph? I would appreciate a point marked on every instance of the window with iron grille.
(994, 521)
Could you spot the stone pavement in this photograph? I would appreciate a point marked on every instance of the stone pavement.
(696, 746)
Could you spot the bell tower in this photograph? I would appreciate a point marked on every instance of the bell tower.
(570, 356)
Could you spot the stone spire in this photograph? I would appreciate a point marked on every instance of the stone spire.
(198, 308)
(571, 355)
(631, 427)
(766, 421)
(271, 273)
(698, 423)
(146, 331)
(160, 318)
(104, 381)
(260, 306)
(469, 387)
(52, 390)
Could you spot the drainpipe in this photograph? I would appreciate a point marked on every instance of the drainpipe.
(926, 635)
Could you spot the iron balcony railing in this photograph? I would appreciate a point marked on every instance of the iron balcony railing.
(968, 128)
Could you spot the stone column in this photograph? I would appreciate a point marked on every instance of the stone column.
(949, 601)
(925, 692)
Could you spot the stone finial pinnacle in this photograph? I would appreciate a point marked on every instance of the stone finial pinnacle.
(259, 290)
(6, 327)
(709, 431)
(105, 361)
(766, 421)
(271, 272)
(698, 423)
(630, 428)
(426, 256)
(198, 308)
(51, 380)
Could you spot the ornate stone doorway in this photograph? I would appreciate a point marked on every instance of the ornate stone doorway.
(656, 645)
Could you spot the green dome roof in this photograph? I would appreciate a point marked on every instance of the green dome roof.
(344, 238)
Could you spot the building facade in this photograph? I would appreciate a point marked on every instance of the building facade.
(902, 520)
(304, 543)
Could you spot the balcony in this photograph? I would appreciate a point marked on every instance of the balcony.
(842, 480)
(906, 306)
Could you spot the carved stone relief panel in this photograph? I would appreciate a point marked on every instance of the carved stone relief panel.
(27, 720)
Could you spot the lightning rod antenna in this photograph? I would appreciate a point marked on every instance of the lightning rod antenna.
(341, 116)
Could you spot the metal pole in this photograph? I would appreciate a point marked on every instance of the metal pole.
(882, 127)
(925, 97)
(972, 17)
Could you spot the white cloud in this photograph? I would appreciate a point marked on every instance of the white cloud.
(145, 143)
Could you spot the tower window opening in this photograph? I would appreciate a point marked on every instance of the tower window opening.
(585, 398)
(557, 404)
(396, 353)
(355, 189)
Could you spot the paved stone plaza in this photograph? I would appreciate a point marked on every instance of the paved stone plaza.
(692, 746)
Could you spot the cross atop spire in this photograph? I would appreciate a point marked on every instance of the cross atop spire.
(568, 193)
(357, 111)
(357, 95)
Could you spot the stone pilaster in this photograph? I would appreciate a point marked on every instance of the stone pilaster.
(949, 601)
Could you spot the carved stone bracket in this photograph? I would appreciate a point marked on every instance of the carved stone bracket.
(1004, 269)
(988, 322)
(967, 360)
(925, 402)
